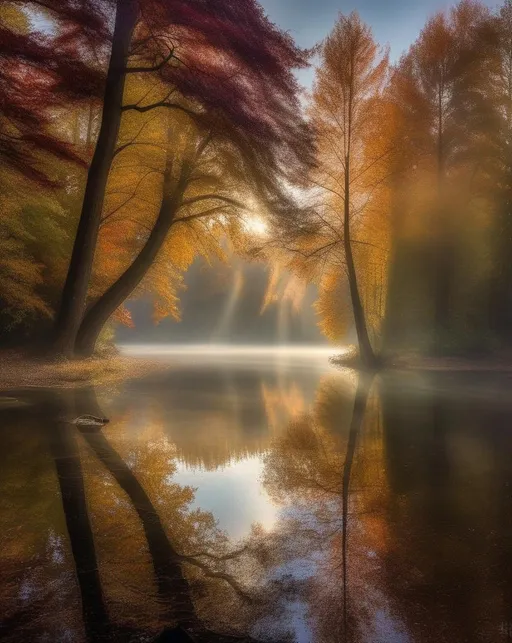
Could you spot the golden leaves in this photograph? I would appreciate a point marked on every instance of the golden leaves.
(164, 161)
(13, 18)
(332, 307)
(349, 195)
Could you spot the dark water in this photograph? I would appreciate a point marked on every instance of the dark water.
(256, 497)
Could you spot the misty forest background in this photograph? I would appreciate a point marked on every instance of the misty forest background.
(162, 152)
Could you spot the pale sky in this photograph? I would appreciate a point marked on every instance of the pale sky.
(396, 23)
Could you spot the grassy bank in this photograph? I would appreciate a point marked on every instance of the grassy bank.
(20, 371)
(501, 363)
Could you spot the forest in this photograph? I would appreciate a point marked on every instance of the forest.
(139, 135)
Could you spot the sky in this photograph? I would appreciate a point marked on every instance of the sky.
(396, 23)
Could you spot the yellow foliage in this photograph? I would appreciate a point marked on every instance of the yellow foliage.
(332, 306)
(13, 18)
(355, 159)
(155, 151)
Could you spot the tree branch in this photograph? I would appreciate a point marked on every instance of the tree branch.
(146, 108)
(211, 197)
(221, 575)
(232, 554)
(199, 215)
(140, 70)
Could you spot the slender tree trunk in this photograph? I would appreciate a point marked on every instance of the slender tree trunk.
(99, 313)
(366, 353)
(443, 250)
(74, 293)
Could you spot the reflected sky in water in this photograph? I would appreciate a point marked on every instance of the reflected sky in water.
(233, 493)
(262, 495)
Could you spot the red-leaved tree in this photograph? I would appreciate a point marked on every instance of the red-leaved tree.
(222, 62)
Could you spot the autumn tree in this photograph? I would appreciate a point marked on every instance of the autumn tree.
(208, 178)
(40, 81)
(345, 105)
(224, 58)
(40, 74)
(433, 88)
(496, 135)
(198, 198)
(328, 465)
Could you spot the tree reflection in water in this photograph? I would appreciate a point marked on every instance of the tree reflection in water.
(175, 589)
(195, 568)
(391, 514)
(328, 468)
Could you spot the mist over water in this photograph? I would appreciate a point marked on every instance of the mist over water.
(233, 351)
(224, 305)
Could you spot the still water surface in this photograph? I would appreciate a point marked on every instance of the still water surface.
(259, 496)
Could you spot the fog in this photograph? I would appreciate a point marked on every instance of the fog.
(224, 304)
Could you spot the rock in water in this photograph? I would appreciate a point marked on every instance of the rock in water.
(90, 421)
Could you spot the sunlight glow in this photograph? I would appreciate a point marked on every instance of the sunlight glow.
(256, 226)
(229, 310)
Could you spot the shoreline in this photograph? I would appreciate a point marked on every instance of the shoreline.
(450, 364)
(19, 371)
(420, 364)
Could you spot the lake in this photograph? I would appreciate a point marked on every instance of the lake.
(259, 495)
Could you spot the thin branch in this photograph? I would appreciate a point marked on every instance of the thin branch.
(200, 215)
(230, 556)
(368, 167)
(133, 195)
(221, 575)
(367, 243)
(132, 143)
(324, 187)
(306, 255)
(143, 225)
(146, 108)
(160, 65)
(211, 197)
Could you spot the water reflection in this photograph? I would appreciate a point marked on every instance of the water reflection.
(270, 502)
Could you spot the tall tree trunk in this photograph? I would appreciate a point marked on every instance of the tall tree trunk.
(74, 293)
(443, 250)
(99, 313)
(366, 353)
